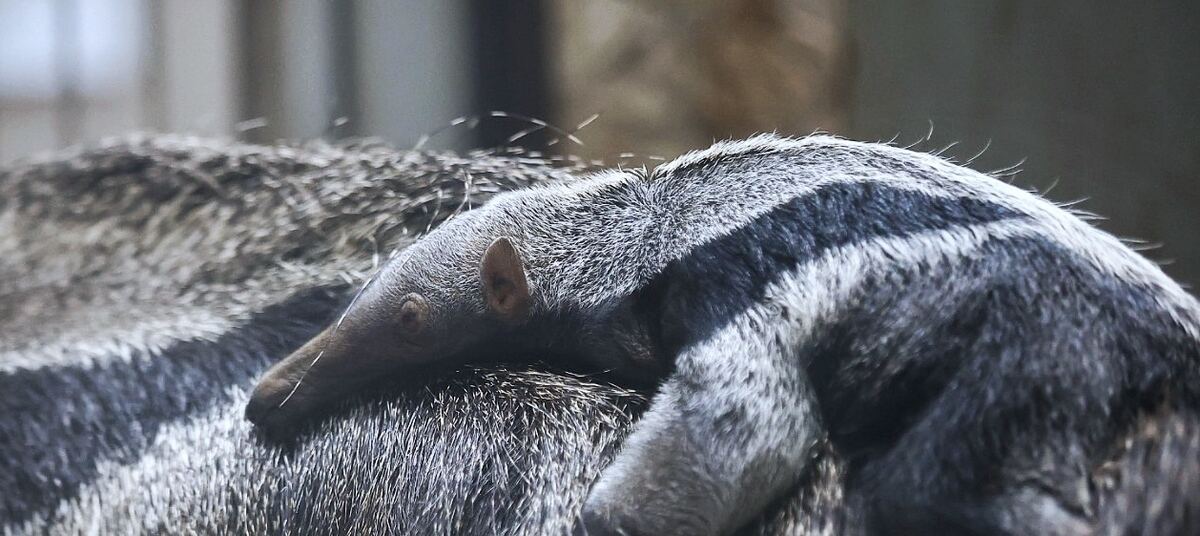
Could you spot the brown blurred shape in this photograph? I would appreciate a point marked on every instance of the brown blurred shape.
(667, 76)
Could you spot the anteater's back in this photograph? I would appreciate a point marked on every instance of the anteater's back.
(144, 284)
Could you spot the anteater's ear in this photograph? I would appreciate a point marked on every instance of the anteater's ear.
(504, 284)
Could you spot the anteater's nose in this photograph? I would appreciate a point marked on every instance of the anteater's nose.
(258, 409)
(264, 408)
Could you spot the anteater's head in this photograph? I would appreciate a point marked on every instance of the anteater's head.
(438, 301)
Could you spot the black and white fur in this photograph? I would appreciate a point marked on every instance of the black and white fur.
(975, 351)
(146, 281)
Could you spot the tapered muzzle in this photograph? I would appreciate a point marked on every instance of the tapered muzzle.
(308, 381)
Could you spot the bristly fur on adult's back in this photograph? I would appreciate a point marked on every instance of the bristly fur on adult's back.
(145, 283)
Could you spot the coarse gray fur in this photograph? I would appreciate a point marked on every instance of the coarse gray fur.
(145, 282)
(979, 354)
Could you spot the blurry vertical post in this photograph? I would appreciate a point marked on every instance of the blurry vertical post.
(510, 67)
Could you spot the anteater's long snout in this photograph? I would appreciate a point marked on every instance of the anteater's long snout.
(304, 383)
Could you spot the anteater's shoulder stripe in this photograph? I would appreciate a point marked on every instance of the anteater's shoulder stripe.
(774, 163)
(798, 305)
(723, 277)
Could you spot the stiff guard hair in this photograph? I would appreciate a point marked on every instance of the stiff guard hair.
(147, 282)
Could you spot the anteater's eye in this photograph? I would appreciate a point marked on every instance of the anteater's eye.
(414, 313)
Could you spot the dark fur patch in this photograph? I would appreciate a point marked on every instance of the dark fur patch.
(722, 278)
(57, 423)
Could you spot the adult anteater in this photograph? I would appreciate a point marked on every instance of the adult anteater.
(146, 282)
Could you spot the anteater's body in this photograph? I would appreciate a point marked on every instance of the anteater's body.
(976, 351)
(144, 284)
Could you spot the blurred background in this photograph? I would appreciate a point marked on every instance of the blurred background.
(1097, 101)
